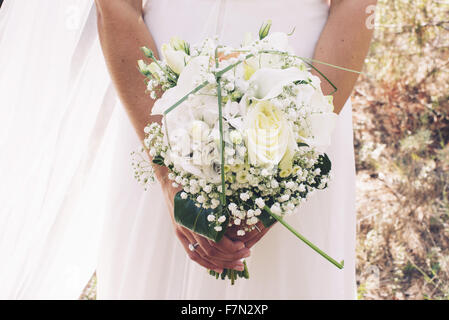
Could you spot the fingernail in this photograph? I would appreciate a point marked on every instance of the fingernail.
(241, 245)
(247, 254)
(218, 270)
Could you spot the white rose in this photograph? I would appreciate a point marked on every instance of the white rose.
(268, 134)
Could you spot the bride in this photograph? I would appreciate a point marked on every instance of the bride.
(144, 253)
(69, 202)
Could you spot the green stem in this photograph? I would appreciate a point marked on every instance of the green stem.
(312, 60)
(222, 72)
(339, 265)
(222, 146)
(201, 86)
(306, 60)
(321, 74)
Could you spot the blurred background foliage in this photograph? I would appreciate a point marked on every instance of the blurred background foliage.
(401, 120)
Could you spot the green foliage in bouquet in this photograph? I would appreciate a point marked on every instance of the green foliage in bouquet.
(194, 218)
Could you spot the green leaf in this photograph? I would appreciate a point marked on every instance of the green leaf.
(266, 219)
(158, 160)
(324, 164)
(188, 215)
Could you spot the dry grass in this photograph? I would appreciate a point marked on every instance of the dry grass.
(401, 134)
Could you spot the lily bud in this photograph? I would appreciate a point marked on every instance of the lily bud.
(180, 45)
(147, 52)
(143, 68)
(175, 59)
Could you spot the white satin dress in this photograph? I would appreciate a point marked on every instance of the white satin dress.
(141, 258)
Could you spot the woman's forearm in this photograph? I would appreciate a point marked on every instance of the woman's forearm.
(344, 42)
(122, 32)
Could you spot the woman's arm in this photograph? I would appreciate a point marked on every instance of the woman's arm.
(122, 33)
(344, 42)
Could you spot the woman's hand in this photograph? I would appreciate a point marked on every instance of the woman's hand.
(215, 256)
(250, 238)
(211, 255)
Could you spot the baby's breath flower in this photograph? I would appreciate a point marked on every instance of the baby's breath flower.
(290, 185)
(244, 196)
(241, 233)
(208, 188)
(260, 203)
(214, 203)
(276, 209)
(232, 207)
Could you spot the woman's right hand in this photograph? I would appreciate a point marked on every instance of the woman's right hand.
(211, 255)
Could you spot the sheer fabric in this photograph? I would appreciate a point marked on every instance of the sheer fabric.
(56, 102)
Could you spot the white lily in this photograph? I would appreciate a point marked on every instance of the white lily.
(321, 127)
(268, 83)
(175, 59)
(277, 41)
(185, 84)
(322, 121)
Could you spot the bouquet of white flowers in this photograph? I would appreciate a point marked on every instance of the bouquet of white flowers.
(243, 133)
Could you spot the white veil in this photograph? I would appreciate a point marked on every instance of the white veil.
(56, 106)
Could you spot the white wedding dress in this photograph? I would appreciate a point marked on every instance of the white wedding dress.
(140, 256)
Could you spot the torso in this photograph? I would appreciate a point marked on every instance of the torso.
(193, 20)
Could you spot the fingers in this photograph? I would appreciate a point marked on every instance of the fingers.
(227, 245)
(213, 253)
(253, 234)
(256, 237)
(201, 256)
(195, 256)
